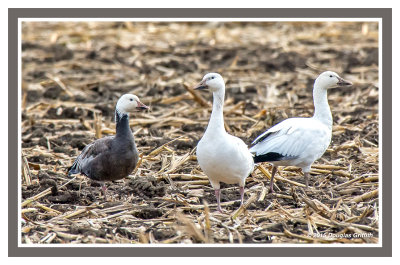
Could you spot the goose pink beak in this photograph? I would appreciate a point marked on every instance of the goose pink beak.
(343, 82)
(202, 85)
(141, 106)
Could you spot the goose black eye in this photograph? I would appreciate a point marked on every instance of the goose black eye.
(131, 99)
(331, 76)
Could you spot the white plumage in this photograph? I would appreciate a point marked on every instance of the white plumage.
(222, 157)
(300, 141)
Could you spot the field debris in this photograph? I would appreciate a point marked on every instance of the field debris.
(73, 73)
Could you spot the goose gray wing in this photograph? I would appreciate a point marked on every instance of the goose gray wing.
(90, 152)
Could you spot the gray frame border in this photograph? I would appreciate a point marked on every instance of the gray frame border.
(200, 251)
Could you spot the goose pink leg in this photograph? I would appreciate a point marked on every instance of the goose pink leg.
(271, 185)
(104, 190)
(241, 189)
(306, 174)
(218, 195)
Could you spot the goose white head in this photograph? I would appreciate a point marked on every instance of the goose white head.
(212, 81)
(331, 79)
(129, 103)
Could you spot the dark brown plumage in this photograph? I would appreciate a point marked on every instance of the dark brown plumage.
(112, 157)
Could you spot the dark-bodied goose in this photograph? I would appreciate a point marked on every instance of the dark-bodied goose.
(300, 141)
(111, 157)
(222, 157)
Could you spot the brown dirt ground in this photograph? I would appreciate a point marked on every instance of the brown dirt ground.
(73, 74)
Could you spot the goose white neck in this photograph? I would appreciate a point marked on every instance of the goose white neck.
(216, 123)
(119, 113)
(322, 111)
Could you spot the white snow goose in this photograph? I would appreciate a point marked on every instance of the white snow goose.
(300, 141)
(111, 157)
(222, 157)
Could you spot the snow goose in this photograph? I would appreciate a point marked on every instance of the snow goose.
(300, 141)
(111, 157)
(222, 157)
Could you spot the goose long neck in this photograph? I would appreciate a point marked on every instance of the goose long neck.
(217, 117)
(322, 111)
(122, 125)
